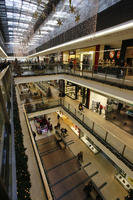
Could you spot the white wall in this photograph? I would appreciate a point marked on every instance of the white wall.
(97, 98)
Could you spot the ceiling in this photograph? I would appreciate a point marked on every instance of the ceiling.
(113, 38)
(31, 23)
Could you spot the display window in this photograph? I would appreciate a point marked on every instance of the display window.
(86, 58)
(75, 129)
(129, 58)
(118, 54)
(97, 102)
(111, 57)
(70, 90)
(112, 54)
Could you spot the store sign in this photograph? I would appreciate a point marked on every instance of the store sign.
(72, 52)
(118, 55)
(112, 54)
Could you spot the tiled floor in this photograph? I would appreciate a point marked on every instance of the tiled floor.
(62, 168)
(64, 171)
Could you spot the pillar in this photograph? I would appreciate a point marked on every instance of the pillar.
(96, 57)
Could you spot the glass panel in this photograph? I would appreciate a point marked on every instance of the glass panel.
(79, 114)
(100, 131)
(72, 109)
(114, 142)
(128, 153)
(88, 122)
(1, 122)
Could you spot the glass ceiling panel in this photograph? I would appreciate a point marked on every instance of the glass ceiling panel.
(19, 17)
(66, 16)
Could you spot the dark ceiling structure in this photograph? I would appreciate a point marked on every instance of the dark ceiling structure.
(27, 24)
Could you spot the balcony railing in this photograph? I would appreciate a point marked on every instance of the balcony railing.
(113, 75)
(118, 147)
(7, 148)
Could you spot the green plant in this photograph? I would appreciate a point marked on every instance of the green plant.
(23, 176)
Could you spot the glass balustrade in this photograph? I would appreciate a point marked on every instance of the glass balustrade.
(7, 151)
(119, 76)
(114, 144)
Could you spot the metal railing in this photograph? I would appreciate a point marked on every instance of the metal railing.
(113, 75)
(7, 148)
(118, 147)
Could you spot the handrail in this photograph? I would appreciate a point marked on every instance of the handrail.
(105, 143)
(102, 140)
(116, 76)
(9, 160)
(14, 183)
(48, 192)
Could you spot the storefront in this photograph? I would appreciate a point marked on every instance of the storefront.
(83, 95)
(109, 57)
(77, 92)
(70, 90)
(69, 55)
(97, 99)
(65, 57)
(129, 56)
(80, 57)
(86, 57)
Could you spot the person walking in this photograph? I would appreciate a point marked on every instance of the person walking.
(97, 106)
(100, 111)
(80, 156)
(34, 134)
(58, 117)
(71, 64)
(80, 107)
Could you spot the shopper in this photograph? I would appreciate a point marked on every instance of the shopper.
(80, 156)
(34, 134)
(74, 64)
(80, 107)
(100, 111)
(58, 117)
(120, 105)
(71, 64)
(97, 106)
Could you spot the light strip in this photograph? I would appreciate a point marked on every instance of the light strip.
(104, 32)
(13, 58)
(3, 51)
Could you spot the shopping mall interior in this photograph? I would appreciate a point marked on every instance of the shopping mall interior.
(66, 99)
